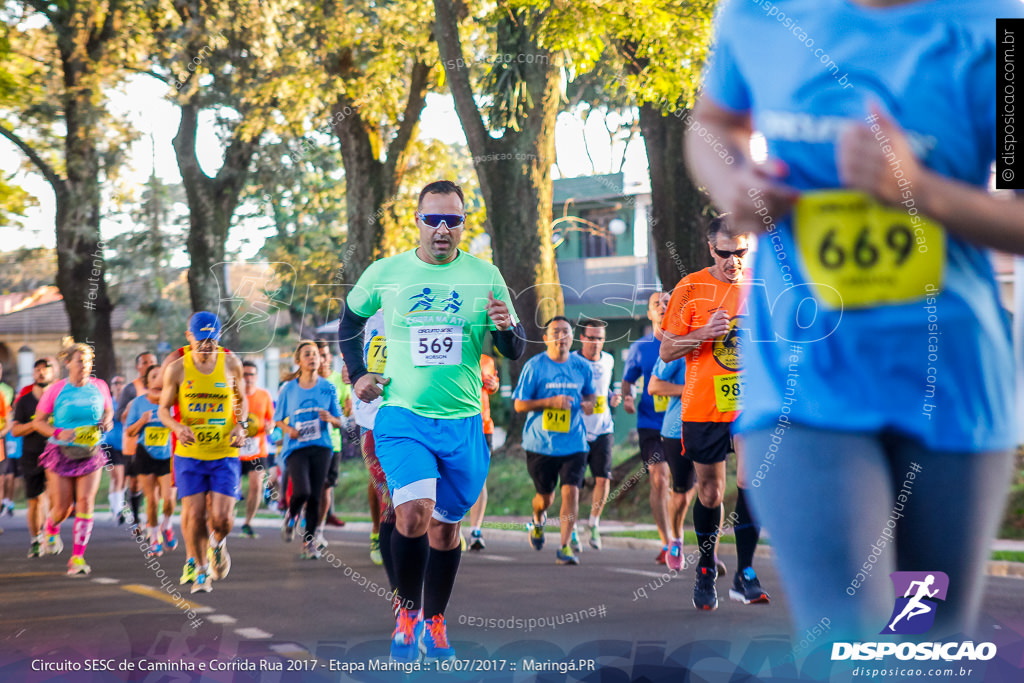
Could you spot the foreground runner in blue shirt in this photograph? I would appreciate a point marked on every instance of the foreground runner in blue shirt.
(880, 359)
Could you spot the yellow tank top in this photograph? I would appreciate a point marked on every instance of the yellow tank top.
(205, 405)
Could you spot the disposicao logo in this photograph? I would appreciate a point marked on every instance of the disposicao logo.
(914, 612)
(916, 604)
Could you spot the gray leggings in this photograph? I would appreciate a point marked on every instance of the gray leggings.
(826, 498)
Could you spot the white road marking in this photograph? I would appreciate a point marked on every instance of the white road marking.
(252, 633)
(497, 558)
(105, 581)
(639, 572)
(220, 619)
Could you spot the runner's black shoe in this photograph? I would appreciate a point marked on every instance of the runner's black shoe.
(747, 589)
(704, 595)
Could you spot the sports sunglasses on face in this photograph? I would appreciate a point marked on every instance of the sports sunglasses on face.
(434, 220)
(739, 253)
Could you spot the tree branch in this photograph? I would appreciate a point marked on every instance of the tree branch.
(398, 151)
(98, 41)
(59, 188)
(231, 177)
(449, 45)
(146, 72)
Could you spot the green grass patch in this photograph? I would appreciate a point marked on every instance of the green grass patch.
(1008, 556)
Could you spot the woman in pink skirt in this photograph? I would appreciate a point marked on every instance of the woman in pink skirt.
(80, 408)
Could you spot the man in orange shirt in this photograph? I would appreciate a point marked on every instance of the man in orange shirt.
(489, 375)
(253, 452)
(703, 324)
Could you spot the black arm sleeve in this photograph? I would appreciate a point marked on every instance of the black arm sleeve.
(350, 343)
(510, 343)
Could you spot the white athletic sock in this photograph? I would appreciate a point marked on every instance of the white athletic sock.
(593, 521)
(473, 530)
(166, 524)
(117, 501)
(154, 534)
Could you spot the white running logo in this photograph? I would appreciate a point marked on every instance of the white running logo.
(915, 607)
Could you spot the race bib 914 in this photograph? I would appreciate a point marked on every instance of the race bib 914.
(555, 420)
(858, 253)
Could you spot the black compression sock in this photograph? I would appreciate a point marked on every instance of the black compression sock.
(135, 500)
(387, 529)
(442, 566)
(705, 525)
(747, 532)
(410, 559)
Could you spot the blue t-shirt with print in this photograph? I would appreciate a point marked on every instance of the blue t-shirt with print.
(938, 367)
(154, 437)
(302, 408)
(543, 378)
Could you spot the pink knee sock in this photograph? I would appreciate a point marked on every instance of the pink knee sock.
(51, 528)
(82, 532)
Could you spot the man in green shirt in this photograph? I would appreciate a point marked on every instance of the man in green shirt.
(438, 303)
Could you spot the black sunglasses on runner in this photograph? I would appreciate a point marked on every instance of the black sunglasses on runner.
(434, 220)
(739, 253)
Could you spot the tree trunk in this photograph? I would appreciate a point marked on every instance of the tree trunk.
(678, 207)
(364, 192)
(514, 172)
(371, 184)
(81, 268)
(212, 203)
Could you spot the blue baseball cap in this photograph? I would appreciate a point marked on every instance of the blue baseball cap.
(204, 325)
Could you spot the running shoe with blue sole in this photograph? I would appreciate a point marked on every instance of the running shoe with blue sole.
(434, 644)
(405, 640)
(536, 533)
(565, 556)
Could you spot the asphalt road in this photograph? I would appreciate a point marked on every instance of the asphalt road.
(617, 612)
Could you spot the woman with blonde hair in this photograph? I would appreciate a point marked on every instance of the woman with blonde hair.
(81, 408)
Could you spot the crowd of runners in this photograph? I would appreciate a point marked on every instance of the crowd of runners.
(818, 403)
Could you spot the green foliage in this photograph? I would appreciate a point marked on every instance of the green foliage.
(657, 48)
(26, 269)
(14, 201)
